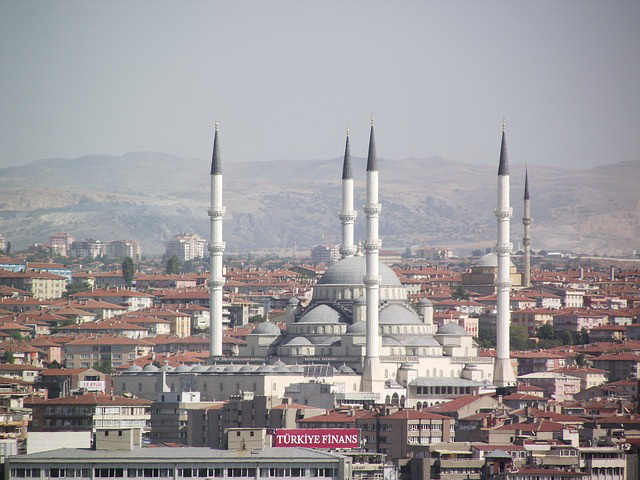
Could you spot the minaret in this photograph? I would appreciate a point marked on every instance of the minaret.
(526, 239)
(216, 248)
(347, 214)
(371, 376)
(503, 375)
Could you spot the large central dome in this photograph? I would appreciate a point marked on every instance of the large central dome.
(351, 271)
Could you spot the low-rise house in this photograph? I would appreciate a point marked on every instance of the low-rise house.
(60, 382)
(107, 349)
(43, 285)
(91, 411)
(589, 377)
(557, 386)
(25, 372)
(533, 362)
(619, 365)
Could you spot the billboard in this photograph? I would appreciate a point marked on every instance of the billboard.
(316, 437)
(91, 385)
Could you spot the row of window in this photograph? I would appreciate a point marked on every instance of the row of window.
(220, 472)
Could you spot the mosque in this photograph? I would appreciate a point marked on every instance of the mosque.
(359, 329)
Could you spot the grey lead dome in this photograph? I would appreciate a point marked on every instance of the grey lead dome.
(351, 271)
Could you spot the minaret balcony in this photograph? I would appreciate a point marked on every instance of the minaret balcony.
(503, 284)
(503, 212)
(372, 245)
(372, 209)
(216, 212)
(216, 247)
(526, 242)
(503, 249)
(349, 217)
(372, 280)
(216, 283)
(348, 251)
(526, 222)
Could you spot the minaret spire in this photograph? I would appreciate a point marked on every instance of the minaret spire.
(216, 248)
(503, 375)
(526, 239)
(371, 377)
(347, 214)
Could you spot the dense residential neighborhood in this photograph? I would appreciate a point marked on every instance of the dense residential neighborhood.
(115, 359)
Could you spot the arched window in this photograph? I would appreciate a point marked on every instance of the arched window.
(402, 400)
(395, 400)
(387, 400)
(435, 373)
(386, 373)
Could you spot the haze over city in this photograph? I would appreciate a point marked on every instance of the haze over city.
(284, 79)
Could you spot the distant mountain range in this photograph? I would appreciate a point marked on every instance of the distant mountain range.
(150, 197)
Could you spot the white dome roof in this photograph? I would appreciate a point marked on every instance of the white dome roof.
(490, 260)
(351, 271)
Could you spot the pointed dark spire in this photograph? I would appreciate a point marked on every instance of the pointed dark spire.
(372, 163)
(216, 166)
(503, 169)
(346, 166)
(526, 184)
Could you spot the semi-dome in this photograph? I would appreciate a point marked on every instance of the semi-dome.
(358, 328)
(321, 314)
(390, 342)
(298, 341)
(351, 271)
(395, 314)
(325, 339)
(452, 328)
(490, 260)
(417, 340)
(266, 328)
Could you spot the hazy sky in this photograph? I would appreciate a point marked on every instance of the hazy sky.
(285, 77)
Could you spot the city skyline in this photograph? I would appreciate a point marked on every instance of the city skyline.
(285, 79)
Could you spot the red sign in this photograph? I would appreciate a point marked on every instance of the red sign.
(317, 437)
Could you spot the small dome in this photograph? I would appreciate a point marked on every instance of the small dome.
(351, 271)
(150, 368)
(215, 368)
(279, 363)
(232, 368)
(490, 260)
(265, 369)
(266, 328)
(281, 369)
(321, 314)
(425, 302)
(166, 368)
(452, 328)
(298, 341)
(358, 328)
(346, 369)
(199, 368)
(134, 368)
(247, 368)
(293, 301)
(183, 368)
(417, 340)
(359, 301)
(296, 369)
(390, 342)
(395, 314)
(325, 340)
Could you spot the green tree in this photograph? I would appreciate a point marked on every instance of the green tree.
(256, 319)
(460, 293)
(545, 332)
(54, 364)
(519, 338)
(566, 338)
(487, 336)
(8, 357)
(104, 367)
(128, 269)
(581, 360)
(173, 265)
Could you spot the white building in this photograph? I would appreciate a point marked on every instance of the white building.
(186, 246)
